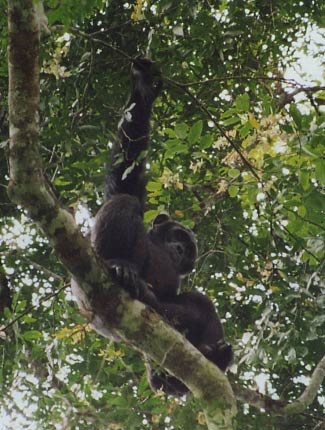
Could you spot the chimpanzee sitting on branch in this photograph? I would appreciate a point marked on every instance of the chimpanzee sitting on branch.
(150, 264)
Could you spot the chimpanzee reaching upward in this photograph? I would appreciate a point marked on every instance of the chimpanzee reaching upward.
(150, 264)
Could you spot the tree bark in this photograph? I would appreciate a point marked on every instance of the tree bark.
(108, 308)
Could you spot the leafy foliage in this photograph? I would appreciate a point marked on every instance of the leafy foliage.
(226, 160)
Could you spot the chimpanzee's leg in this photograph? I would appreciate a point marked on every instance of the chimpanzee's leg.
(194, 315)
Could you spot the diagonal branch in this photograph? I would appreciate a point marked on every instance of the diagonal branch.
(280, 407)
(109, 309)
(204, 109)
(308, 396)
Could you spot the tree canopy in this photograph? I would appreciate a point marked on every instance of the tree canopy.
(237, 154)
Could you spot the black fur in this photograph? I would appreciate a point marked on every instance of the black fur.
(194, 315)
(150, 264)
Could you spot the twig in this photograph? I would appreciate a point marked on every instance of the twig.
(304, 219)
(108, 30)
(48, 297)
(213, 119)
(95, 40)
(298, 240)
(237, 78)
(34, 264)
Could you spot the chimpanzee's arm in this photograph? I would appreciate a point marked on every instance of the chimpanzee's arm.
(126, 171)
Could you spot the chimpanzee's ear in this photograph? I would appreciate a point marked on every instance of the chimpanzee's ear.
(161, 218)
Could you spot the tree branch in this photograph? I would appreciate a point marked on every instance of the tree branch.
(258, 400)
(287, 98)
(280, 407)
(4, 329)
(232, 143)
(109, 309)
(93, 39)
(310, 392)
(291, 82)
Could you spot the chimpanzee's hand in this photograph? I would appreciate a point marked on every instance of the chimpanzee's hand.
(127, 276)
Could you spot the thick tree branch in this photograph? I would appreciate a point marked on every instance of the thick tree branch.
(310, 392)
(286, 98)
(280, 407)
(258, 400)
(109, 309)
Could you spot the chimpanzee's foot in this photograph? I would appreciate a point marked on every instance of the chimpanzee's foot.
(146, 78)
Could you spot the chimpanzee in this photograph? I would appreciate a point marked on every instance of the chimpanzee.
(150, 264)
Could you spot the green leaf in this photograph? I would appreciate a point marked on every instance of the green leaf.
(21, 306)
(154, 186)
(242, 102)
(181, 130)
(173, 147)
(245, 129)
(228, 113)
(296, 115)
(28, 319)
(206, 141)
(321, 95)
(150, 215)
(302, 211)
(304, 179)
(195, 132)
(309, 150)
(231, 121)
(121, 402)
(32, 335)
(61, 182)
(251, 194)
(233, 173)
(233, 190)
(297, 226)
(88, 127)
(320, 171)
